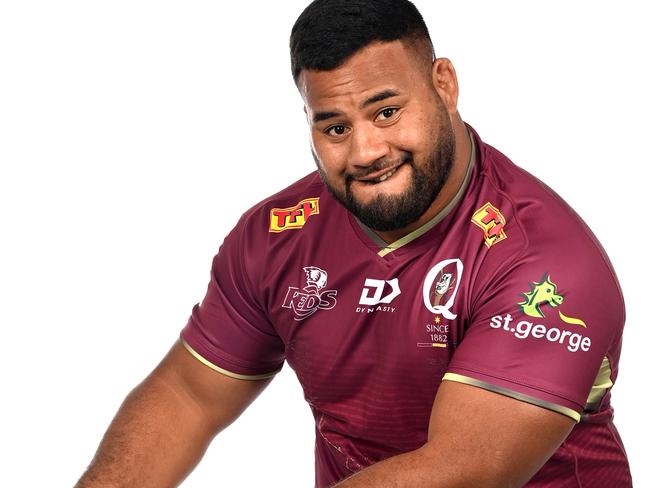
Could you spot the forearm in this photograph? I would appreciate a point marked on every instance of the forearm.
(423, 468)
(412, 469)
(156, 438)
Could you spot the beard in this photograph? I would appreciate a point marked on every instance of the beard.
(391, 212)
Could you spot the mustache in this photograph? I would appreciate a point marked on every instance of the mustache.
(378, 165)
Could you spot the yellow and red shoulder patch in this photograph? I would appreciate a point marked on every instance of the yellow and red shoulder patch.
(293, 217)
(492, 221)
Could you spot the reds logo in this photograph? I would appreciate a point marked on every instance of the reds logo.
(293, 217)
(312, 297)
(492, 221)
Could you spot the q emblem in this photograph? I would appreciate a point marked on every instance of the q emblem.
(441, 285)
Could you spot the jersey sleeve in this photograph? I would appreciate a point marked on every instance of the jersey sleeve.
(229, 330)
(544, 328)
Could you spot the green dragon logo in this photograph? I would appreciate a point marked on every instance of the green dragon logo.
(544, 291)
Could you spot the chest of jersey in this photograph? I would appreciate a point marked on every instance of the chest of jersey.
(365, 320)
(370, 337)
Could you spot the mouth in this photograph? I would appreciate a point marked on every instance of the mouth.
(380, 176)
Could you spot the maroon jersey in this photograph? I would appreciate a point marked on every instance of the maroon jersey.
(506, 289)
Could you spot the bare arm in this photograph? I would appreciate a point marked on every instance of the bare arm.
(476, 438)
(166, 423)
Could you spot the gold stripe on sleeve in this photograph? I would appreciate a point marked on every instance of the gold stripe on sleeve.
(225, 371)
(513, 394)
(601, 385)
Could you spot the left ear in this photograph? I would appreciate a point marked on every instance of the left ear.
(443, 76)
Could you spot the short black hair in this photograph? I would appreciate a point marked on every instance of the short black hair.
(328, 32)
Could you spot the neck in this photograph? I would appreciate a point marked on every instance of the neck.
(450, 188)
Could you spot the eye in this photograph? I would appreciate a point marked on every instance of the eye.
(335, 130)
(387, 113)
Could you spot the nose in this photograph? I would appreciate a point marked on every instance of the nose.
(368, 145)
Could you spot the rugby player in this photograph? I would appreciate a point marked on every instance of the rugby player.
(451, 320)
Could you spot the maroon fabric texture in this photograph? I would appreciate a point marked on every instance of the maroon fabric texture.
(510, 288)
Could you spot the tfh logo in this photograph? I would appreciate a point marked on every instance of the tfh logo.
(376, 287)
(312, 297)
(492, 221)
(293, 217)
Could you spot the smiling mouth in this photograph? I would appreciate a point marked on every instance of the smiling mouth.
(380, 176)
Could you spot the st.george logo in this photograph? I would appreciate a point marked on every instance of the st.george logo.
(293, 217)
(441, 286)
(544, 292)
(312, 297)
(373, 291)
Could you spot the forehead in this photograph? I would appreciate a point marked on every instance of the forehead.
(377, 67)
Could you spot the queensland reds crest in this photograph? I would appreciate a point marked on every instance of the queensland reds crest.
(312, 297)
(441, 286)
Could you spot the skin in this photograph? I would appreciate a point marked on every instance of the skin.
(476, 437)
(166, 423)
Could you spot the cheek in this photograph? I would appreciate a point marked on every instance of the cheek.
(330, 158)
(406, 136)
(413, 133)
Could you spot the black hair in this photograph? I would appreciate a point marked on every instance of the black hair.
(328, 32)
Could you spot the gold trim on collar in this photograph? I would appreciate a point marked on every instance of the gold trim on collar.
(441, 215)
(225, 371)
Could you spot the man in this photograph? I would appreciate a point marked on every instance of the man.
(451, 320)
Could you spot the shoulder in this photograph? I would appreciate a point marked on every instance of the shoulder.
(289, 208)
(542, 234)
(282, 223)
(545, 222)
(264, 232)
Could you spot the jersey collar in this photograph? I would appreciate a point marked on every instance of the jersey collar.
(386, 248)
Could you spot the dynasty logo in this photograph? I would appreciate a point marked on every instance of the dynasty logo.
(543, 293)
(373, 291)
(312, 297)
(492, 222)
(293, 217)
(375, 297)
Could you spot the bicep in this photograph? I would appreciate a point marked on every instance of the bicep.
(219, 399)
(491, 439)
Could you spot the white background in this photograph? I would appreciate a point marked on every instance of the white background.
(133, 134)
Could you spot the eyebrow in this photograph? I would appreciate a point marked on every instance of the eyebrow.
(320, 116)
(382, 95)
(378, 97)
